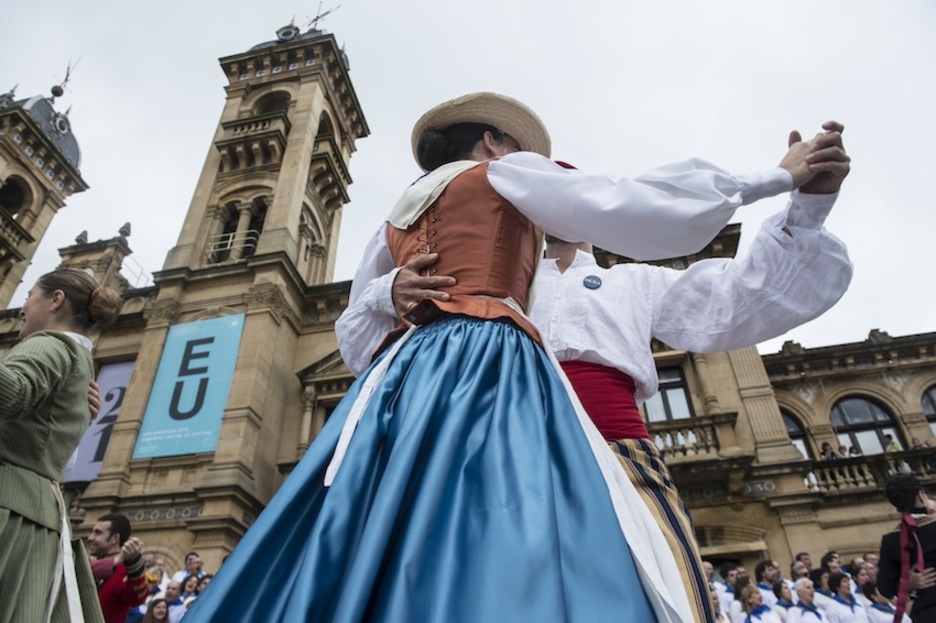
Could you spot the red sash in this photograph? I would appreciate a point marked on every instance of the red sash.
(608, 397)
(909, 543)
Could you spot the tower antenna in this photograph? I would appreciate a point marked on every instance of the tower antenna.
(313, 23)
(59, 89)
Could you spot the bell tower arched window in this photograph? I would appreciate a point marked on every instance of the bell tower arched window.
(278, 101)
(14, 197)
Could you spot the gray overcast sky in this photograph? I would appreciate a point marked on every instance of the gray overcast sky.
(623, 86)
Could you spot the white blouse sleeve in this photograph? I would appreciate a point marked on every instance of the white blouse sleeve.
(370, 315)
(668, 212)
(793, 272)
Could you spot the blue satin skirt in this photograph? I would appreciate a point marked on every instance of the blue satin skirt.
(468, 493)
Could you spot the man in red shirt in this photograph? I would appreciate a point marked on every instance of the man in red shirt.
(117, 565)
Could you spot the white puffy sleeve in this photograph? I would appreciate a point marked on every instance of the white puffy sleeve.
(370, 315)
(671, 211)
(793, 271)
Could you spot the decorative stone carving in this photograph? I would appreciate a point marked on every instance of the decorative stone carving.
(806, 391)
(266, 296)
(166, 313)
(164, 514)
(790, 517)
(896, 381)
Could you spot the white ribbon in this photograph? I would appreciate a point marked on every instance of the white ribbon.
(374, 377)
(65, 564)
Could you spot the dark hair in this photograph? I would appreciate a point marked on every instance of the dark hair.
(760, 568)
(778, 588)
(90, 304)
(186, 581)
(816, 576)
(725, 568)
(119, 524)
(740, 583)
(827, 558)
(190, 554)
(868, 589)
(150, 617)
(799, 557)
(438, 147)
(835, 580)
(902, 491)
(201, 580)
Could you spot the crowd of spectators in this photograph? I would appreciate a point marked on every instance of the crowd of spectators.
(829, 592)
(169, 596)
(133, 584)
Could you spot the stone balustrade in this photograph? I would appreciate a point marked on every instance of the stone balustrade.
(870, 473)
(706, 437)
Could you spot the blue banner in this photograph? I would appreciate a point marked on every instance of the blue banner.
(85, 464)
(191, 388)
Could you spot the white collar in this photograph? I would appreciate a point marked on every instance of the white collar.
(424, 191)
(79, 339)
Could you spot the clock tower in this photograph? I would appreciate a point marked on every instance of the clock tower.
(39, 162)
(256, 251)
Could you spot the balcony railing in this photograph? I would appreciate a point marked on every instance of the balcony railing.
(14, 240)
(706, 437)
(232, 246)
(869, 473)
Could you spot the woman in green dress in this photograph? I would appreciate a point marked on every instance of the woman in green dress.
(44, 410)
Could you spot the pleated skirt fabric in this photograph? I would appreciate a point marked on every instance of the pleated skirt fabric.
(468, 493)
(646, 470)
(27, 572)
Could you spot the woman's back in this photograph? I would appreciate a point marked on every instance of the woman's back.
(44, 402)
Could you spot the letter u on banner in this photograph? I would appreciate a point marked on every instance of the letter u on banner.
(191, 389)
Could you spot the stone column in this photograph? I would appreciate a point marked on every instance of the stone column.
(771, 442)
(305, 432)
(705, 383)
(245, 212)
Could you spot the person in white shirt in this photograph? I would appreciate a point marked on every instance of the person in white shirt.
(729, 573)
(880, 609)
(765, 574)
(805, 610)
(736, 612)
(193, 566)
(844, 608)
(784, 595)
(793, 271)
(756, 611)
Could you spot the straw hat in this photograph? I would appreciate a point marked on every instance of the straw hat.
(504, 113)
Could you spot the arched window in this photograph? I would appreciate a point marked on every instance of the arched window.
(14, 196)
(272, 102)
(672, 401)
(864, 424)
(797, 433)
(928, 406)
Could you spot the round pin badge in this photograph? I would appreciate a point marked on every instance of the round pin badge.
(592, 282)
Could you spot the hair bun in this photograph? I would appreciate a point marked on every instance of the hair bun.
(104, 306)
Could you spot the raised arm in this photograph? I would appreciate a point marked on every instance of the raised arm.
(793, 272)
(668, 212)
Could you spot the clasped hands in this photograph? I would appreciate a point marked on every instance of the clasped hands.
(819, 165)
